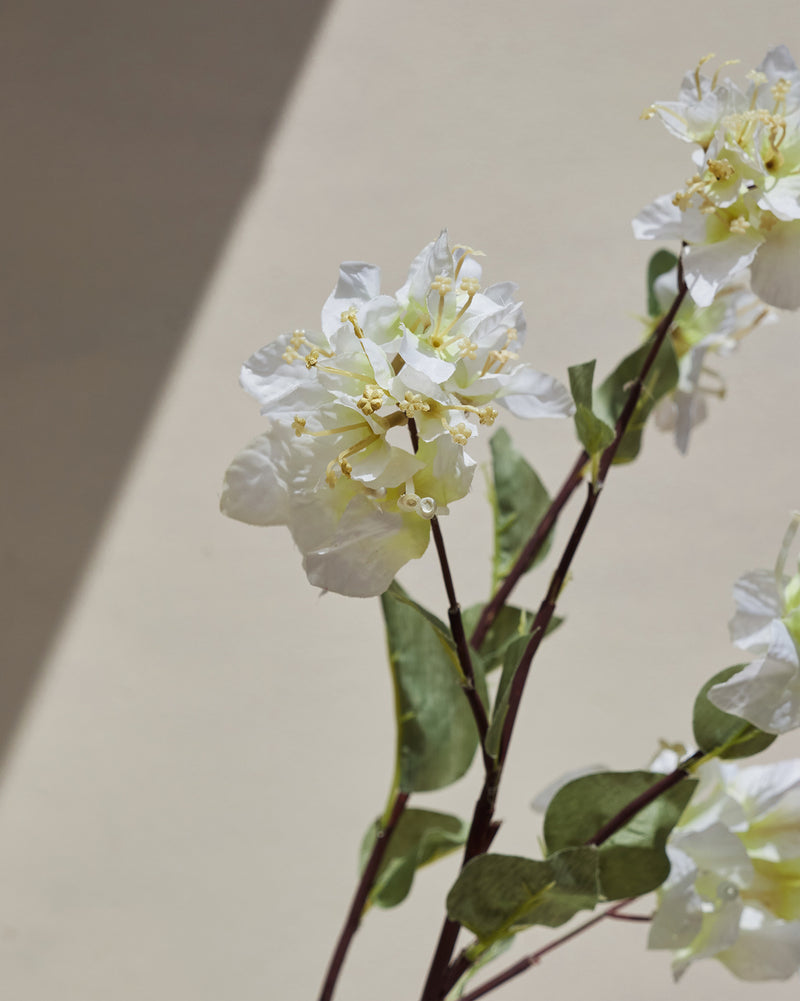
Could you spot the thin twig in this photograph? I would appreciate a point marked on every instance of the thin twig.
(529, 552)
(629, 811)
(359, 901)
(531, 960)
(457, 626)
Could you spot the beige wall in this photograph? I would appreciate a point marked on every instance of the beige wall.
(208, 738)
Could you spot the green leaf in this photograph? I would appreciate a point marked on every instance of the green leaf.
(594, 434)
(633, 860)
(520, 501)
(580, 383)
(509, 623)
(421, 837)
(513, 654)
(436, 732)
(661, 262)
(612, 395)
(715, 729)
(496, 895)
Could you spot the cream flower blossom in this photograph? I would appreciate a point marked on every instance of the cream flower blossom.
(698, 333)
(740, 208)
(767, 623)
(733, 892)
(337, 463)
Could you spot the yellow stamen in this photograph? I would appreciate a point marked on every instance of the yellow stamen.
(371, 400)
(342, 457)
(460, 433)
(468, 252)
(351, 316)
(721, 169)
(327, 434)
(702, 63)
(715, 78)
(413, 403)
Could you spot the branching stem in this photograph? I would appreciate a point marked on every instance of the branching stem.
(441, 976)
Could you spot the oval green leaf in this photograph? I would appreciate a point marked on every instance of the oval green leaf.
(633, 860)
(520, 501)
(497, 895)
(421, 837)
(436, 732)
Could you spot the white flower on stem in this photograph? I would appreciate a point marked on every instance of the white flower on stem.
(697, 334)
(733, 892)
(767, 622)
(336, 463)
(740, 208)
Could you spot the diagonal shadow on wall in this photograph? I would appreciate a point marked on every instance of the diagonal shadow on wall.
(133, 131)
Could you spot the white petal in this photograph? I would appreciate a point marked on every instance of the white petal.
(757, 604)
(760, 788)
(528, 393)
(775, 274)
(422, 358)
(257, 487)
(709, 266)
(661, 220)
(678, 917)
(766, 692)
(718, 850)
(430, 262)
(783, 198)
(367, 549)
(358, 283)
(766, 949)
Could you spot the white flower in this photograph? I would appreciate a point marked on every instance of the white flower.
(697, 333)
(741, 206)
(767, 622)
(336, 463)
(733, 892)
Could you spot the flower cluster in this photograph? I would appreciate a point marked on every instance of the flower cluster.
(733, 892)
(740, 207)
(767, 622)
(369, 419)
(697, 333)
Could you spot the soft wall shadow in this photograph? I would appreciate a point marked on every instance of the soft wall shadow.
(133, 130)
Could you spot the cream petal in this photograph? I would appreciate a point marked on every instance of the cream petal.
(708, 266)
(528, 393)
(766, 948)
(358, 283)
(757, 604)
(257, 487)
(775, 273)
(767, 691)
(368, 547)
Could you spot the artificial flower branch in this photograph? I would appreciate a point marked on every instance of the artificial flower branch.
(436, 356)
(483, 827)
(614, 824)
